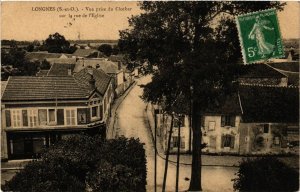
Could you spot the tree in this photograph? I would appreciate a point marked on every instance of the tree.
(265, 174)
(195, 46)
(106, 49)
(56, 43)
(81, 162)
(45, 65)
(115, 50)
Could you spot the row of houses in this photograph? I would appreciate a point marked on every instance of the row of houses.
(75, 95)
(261, 117)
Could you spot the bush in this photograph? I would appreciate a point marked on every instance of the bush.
(265, 174)
(83, 162)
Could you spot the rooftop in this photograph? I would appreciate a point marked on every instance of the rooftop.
(260, 71)
(108, 67)
(269, 104)
(20, 88)
(60, 69)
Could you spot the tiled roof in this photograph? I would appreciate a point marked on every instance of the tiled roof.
(84, 52)
(101, 78)
(40, 56)
(41, 88)
(286, 66)
(260, 71)
(42, 73)
(230, 105)
(60, 69)
(61, 60)
(108, 67)
(3, 86)
(269, 104)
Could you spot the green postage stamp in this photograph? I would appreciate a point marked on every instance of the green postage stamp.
(259, 36)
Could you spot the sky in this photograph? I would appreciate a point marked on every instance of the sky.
(36, 20)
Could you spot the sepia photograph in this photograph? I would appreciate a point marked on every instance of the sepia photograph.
(148, 96)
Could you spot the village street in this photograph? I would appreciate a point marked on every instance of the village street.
(132, 122)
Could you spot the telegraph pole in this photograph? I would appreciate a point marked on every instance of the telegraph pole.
(155, 151)
(167, 155)
(178, 153)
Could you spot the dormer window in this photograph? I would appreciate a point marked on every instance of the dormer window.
(95, 112)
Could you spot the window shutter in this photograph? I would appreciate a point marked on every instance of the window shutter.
(8, 119)
(25, 117)
(232, 142)
(101, 112)
(222, 121)
(88, 115)
(222, 141)
(60, 117)
(232, 121)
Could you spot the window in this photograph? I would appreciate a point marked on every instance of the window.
(81, 116)
(101, 111)
(42, 116)
(211, 125)
(60, 117)
(16, 118)
(266, 128)
(227, 141)
(51, 116)
(33, 117)
(25, 118)
(70, 117)
(177, 120)
(227, 120)
(95, 112)
(176, 142)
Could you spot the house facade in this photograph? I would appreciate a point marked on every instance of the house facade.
(38, 111)
(270, 121)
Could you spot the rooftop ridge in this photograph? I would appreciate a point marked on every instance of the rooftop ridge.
(275, 86)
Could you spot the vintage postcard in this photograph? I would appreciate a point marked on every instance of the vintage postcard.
(150, 96)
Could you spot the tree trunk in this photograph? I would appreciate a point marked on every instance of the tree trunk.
(195, 184)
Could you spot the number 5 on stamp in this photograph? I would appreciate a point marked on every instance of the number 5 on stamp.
(259, 36)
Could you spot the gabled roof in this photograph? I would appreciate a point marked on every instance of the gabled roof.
(102, 80)
(260, 71)
(40, 56)
(108, 67)
(84, 52)
(42, 88)
(269, 104)
(60, 69)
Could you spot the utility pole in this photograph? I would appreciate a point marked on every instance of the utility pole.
(167, 155)
(178, 153)
(155, 151)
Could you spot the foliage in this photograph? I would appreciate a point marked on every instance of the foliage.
(45, 176)
(81, 162)
(106, 49)
(194, 45)
(265, 174)
(57, 43)
(115, 50)
(45, 65)
(20, 65)
(30, 48)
